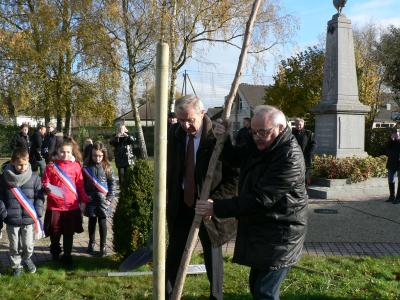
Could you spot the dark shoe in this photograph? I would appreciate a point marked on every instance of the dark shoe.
(103, 251)
(66, 260)
(396, 200)
(30, 266)
(55, 256)
(17, 272)
(90, 248)
(390, 199)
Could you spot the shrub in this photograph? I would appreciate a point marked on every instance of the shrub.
(375, 141)
(132, 222)
(354, 168)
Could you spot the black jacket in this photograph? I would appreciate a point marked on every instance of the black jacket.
(16, 214)
(224, 183)
(393, 154)
(20, 141)
(272, 204)
(244, 136)
(307, 143)
(35, 153)
(123, 151)
(49, 145)
(99, 204)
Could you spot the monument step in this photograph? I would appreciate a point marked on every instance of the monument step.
(349, 191)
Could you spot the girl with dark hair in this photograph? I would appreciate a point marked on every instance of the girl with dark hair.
(66, 198)
(100, 186)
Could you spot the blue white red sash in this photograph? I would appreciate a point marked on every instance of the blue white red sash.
(102, 188)
(30, 209)
(65, 179)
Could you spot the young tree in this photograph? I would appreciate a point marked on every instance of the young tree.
(133, 24)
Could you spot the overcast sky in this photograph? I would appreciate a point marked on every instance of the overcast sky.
(213, 71)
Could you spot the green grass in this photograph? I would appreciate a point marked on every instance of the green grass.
(332, 278)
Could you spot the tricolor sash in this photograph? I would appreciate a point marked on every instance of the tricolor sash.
(102, 188)
(65, 179)
(30, 209)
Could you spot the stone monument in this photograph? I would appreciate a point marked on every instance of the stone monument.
(339, 116)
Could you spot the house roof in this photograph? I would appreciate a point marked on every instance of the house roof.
(214, 112)
(253, 94)
(147, 111)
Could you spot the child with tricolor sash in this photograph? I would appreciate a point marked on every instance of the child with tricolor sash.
(66, 199)
(21, 194)
(100, 186)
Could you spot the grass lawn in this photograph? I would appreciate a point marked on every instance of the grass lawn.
(315, 278)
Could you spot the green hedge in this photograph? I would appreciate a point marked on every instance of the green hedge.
(354, 168)
(133, 216)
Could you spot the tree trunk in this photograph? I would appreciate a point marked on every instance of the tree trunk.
(172, 87)
(132, 80)
(205, 192)
(174, 70)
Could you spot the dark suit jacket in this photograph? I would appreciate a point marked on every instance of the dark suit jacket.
(224, 183)
(307, 143)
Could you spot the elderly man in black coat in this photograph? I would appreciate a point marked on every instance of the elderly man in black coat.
(272, 204)
(190, 144)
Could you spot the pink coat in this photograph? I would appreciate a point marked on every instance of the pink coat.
(69, 201)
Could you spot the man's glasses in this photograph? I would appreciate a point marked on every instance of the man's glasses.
(262, 132)
(189, 121)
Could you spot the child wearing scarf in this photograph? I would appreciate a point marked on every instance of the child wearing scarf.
(21, 194)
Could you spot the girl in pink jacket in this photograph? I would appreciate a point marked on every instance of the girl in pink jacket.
(66, 199)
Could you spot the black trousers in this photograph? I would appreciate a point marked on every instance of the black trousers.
(121, 175)
(213, 260)
(55, 247)
(102, 230)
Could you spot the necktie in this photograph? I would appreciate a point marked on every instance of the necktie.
(189, 185)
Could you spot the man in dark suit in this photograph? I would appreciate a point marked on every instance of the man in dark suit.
(244, 134)
(307, 143)
(190, 144)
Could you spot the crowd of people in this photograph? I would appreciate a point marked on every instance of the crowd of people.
(258, 192)
(48, 177)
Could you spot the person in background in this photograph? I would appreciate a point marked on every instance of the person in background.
(244, 134)
(171, 119)
(393, 164)
(190, 145)
(35, 156)
(272, 204)
(49, 142)
(100, 187)
(21, 139)
(123, 144)
(22, 196)
(66, 199)
(307, 143)
(87, 149)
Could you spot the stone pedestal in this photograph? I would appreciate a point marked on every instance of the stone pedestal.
(340, 117)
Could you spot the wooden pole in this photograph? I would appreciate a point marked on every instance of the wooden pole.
(160, 167)
(205, 192)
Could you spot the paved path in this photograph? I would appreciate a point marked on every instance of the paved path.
(352, 228)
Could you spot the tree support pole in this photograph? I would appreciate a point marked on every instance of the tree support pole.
(160, 167)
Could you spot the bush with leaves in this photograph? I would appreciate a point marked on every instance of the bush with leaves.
(132, 221)
(355, 169)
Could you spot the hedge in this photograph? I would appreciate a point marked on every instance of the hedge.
(133, 216)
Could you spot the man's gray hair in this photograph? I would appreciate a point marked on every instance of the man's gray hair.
(189, 101)
(277, 116)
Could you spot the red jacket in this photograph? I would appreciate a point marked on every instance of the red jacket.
(70, 201)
